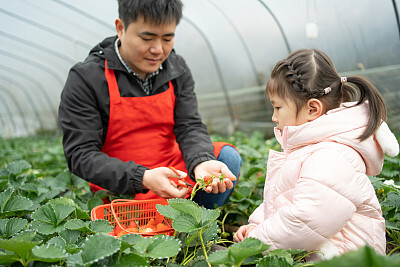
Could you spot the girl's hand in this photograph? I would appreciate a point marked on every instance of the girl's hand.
(243, 232)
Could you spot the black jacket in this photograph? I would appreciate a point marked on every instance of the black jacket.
(84, 115)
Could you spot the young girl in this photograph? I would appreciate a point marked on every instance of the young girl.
(317, 194)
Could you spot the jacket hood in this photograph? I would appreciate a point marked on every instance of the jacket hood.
(343, 125)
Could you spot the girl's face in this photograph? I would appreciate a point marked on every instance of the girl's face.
(285, 113)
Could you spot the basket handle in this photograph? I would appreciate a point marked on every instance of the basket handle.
(115, 215)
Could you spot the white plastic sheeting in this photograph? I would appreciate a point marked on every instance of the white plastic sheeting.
(230, 45)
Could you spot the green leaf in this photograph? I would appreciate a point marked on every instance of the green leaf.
(142, 245)
(47, 228)
(8, 257)
(101, 194)
(94, 202)
(9, 227)
(79, 212)
(186, 206)
(208, 234)
(364, 256)
(237, 196)
(52, 213)
(281, 253)
(275, 261)
(72, 248)
(5, 196)
(61, 181)
(45, 214)
(20, 247)
(75, 224)
(57, 240)
(49, 253)
(208, 216)
(18, 166)
(27, 235)
(16, 203)
(98, 247)
(75, 260)
(163, 246)
(70, 236)
(221, 257)
(132, 260)
(393, 200)
(100, 226)
(129, 240)
(185, 223)
(31, 188)
(62, 211)
(248, 247)
(167, 211)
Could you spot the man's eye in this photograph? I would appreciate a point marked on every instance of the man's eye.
(146, 39)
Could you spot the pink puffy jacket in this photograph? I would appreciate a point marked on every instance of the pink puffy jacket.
(317, 194)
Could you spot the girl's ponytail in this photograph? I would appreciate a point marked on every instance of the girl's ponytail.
(376, 104)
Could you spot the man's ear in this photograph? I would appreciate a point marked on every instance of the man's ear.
(119, 26)
(315, 109)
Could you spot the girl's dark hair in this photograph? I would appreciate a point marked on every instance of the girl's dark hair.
(155, 11)
(305, 73)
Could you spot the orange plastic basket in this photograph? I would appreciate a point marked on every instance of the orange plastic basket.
(121, 212)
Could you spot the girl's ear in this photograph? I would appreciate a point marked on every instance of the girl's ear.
(315, 109)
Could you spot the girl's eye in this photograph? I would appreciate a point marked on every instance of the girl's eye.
(277, 108)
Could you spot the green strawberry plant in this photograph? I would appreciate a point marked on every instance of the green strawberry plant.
(44, 216)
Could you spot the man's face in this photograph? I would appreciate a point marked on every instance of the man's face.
(145, 45)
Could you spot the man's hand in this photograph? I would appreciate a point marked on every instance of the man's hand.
(215, 168)
(158, 180)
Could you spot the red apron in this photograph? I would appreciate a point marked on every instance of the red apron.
(141, 129)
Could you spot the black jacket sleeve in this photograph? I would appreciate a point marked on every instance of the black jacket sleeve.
(80, 118)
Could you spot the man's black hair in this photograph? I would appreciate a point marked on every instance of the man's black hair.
(154, 11)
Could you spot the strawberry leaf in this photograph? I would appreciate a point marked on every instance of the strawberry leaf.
(18, 166)
(11, 203)
(70, 236)
(75, 224)
(221, 257)
(20, 247)
(49, 253)
(8, 257)
(53, 213)
(47, 228)
(208, 216)
(9, 227)
(163, 246)
(100, 226)
(248, 247)
(132, 260)
(167, 211)
(98, 247)
(187, 207)
(185, 223)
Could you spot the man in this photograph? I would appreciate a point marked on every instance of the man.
(129, 111)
